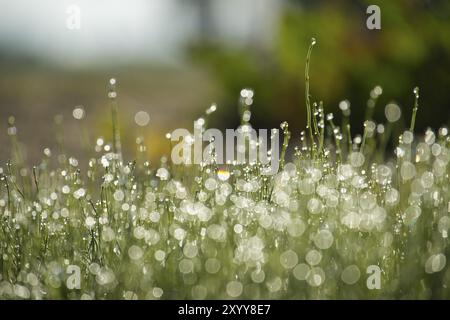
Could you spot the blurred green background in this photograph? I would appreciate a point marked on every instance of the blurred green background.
(174, 58)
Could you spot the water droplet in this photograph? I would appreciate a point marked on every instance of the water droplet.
(435, 263)
(407, 170)
(258, 276)
(90, 222)
(289, 259)
(212, 265)
(351, 274)
(162, 173)
(160, 255)
(416, 92)
(356, 159)
(313, 257)
(315, 277)
(223, 175)
(78, 113)
(314, 206)
(142, 118)
(119, 195)
(392, 112)
(190, 250)
(135, 252)
(186, 266)
(323, 239)
(234, 289)
(301, 271)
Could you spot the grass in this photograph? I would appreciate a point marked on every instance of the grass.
(335, 213)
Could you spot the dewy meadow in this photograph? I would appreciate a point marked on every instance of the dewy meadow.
(341, 218)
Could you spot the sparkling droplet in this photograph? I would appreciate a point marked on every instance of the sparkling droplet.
(234, 289)
(78, 113)
(142, 118)
(392, 112)
(323, 239)
(351, 274)
(289, 259)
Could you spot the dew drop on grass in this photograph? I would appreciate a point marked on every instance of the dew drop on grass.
(139, 232)
(94, 268)
(32, 279)
(314, 206)
(258, 276)
(141, 118)
(212, 265)
(344, 105)
(210, 184)
(105, 276)
(435, 263)
(80, 193)
(313, 257)
(108, 234)
(407, 137)
(407, 170)
(315, 174)
(90, 222)
(65, 189)
(412, 213)
(190, 250)
(21, 291)
(351, 220)
(119, 195)
(289, 259)
(392, 196)
(436, 149)
(383, 174)
(78, 113)
(160, 255)
(238, 228)
(296, 228)
(300, 271)
(351, 274)
(234, 289)
(380, 128)
(367, 201)
(315, 277)
(186, 266)
(392, 112)
(163, 174)
(157, 292)
(135, 252)
(199, 292)
(345, 171)
(427, 179)
(430, 137)
(323, 239)
(274, 285)
(444, 226)
(306, 186)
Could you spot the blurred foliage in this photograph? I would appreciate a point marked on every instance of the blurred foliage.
(411, 49)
